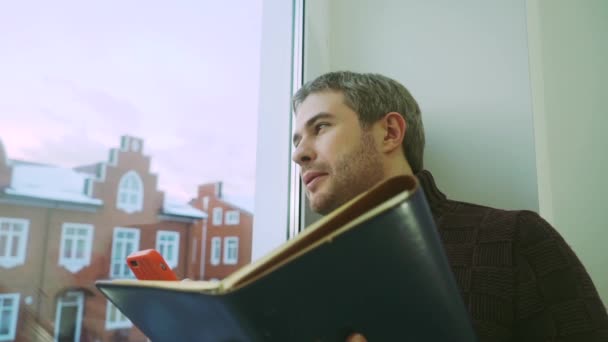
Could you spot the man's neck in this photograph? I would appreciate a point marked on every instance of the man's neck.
(397, 167)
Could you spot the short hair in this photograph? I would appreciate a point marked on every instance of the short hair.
(372, 96)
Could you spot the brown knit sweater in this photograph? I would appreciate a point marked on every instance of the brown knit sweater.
(518, 277)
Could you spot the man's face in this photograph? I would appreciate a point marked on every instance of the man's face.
(338, 159)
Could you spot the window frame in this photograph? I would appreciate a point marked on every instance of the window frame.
(218, 216)
(122, 258)
(12, 331)
(127, 206)
(73, 264)
(174, 261)
(226, 258)
(216, 251)
(8, 261)
(232, 217)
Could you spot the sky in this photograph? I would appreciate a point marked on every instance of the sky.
(182, 75)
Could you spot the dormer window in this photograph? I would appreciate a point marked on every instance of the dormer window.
(130, 193)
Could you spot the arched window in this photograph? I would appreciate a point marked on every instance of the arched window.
(130, 193)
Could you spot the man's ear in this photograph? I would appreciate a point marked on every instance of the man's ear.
(394, 131)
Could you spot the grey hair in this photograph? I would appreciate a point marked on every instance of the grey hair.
(372, 96)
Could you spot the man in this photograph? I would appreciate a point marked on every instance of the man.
(518, 278)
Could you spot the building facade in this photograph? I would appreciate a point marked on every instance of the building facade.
(63, 229)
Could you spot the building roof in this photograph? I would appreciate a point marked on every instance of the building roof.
(175, 208)
(49, 183)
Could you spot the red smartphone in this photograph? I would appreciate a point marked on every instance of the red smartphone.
(150, 265)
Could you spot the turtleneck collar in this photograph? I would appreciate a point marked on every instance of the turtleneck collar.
(434, 196)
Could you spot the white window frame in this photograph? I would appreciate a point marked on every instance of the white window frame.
(227, 259)
(218, 213)
(14, 314)
(120, 261)
(161, 246)
(77, 300)
(73, 263)
(126, 204)
(7, 260)
(216, 250)
(120, 320)
(233, 218)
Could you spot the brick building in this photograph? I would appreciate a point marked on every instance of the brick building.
(62, 229)
(227, 232)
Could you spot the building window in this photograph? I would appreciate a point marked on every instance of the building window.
(216, 250)
(206, 203)
(217, 216)
(9, 312)
(233, 217)
(115, 319)
(13, 241)
(130, 193)
(76, 245)
(124, 242)
(135, 145)
(231, 250)
(167, 244)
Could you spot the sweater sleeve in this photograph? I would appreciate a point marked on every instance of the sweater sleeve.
(555, 299)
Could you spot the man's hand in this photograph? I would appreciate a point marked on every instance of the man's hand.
(356, 338)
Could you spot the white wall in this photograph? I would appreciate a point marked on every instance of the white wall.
(569, 50)
(511, 93)
(466, 63)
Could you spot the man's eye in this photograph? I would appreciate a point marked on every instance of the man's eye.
(320, 126)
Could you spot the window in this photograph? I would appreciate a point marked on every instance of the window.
(13, 241)
(124, 242)
(52, 89)
(233, 217)
(167, 244)
(68, 316)
(217, 216)
(216, 250)
(115, 319)
(231, 250)
(206, 203)
(130, 193)
(75, 247)
(9, 311)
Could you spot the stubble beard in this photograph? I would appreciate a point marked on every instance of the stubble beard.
(353, 174)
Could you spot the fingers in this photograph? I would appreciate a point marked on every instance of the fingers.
(356, 338)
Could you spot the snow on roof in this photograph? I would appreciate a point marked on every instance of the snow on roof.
(173, 207)
(49, 183)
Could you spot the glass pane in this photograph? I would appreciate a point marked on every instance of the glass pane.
(15, 246)
(171, 91)
(3, 243)
(112, 315)
(67, 251)
(80, 248)
(5, 321)
(169, 252)
(17, 228)
(118, 251)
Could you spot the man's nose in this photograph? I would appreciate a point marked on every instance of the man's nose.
(303, 154)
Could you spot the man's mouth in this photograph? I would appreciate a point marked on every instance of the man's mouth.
(310, 178)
